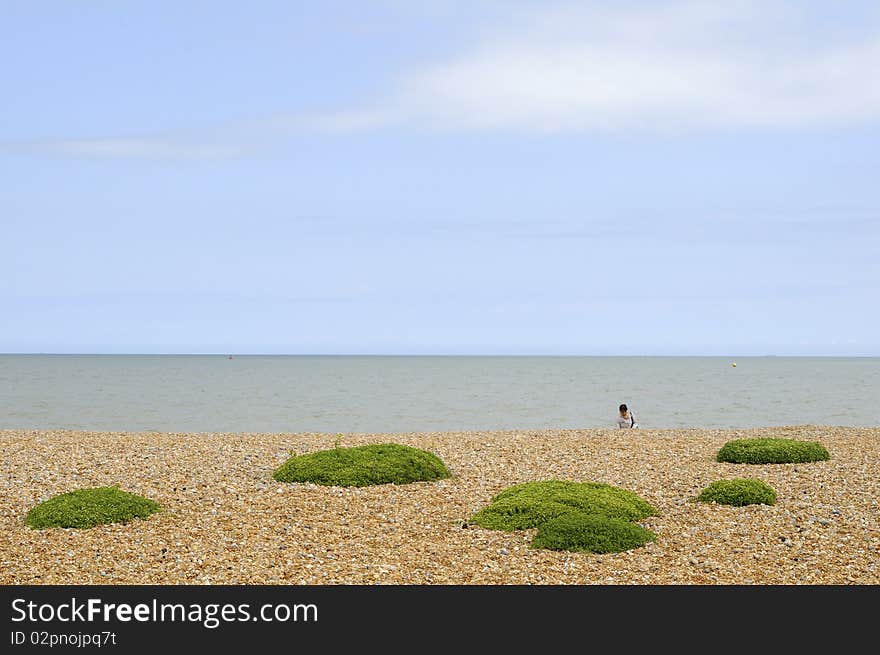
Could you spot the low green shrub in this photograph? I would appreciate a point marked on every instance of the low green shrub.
(531, 504)
(738, 492)
(590, 533)
(362, 466)
(772, 451)
(86, 508)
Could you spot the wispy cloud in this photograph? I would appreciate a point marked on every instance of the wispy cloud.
(573, 68)
(146, 147)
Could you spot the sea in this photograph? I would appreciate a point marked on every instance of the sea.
(404, 394)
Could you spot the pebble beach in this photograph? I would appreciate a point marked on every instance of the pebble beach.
(226, 521)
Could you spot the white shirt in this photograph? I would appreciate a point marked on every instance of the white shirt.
(627, 421)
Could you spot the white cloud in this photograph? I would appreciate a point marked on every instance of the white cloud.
(677, 68)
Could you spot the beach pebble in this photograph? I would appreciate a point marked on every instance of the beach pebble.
(221, 524)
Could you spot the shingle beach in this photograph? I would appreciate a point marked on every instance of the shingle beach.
(226, 521)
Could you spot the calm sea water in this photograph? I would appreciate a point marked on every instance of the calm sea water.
(203, 393)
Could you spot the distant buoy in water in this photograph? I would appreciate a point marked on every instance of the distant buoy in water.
(734, 365)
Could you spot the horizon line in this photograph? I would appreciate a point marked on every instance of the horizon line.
(416, 354)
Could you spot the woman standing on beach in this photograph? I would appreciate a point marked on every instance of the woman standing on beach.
(626, 418)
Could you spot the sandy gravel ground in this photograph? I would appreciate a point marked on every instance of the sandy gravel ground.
(226, 521)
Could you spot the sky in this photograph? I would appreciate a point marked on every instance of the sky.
(481, 177)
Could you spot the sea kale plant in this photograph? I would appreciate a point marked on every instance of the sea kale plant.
(578, 516)
(86, 508)
(362, 466)
(772, 451)
(738, 492)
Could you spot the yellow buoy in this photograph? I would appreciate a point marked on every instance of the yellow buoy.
(734, 365)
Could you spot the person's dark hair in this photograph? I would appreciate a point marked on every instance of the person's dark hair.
(623, 407)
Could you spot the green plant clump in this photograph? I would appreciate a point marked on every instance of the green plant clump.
(590, 533)
(772, 451)
(738, 493)
(363, 466)
(532, 504)
(86, 508)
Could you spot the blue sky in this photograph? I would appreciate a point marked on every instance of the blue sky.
(453, 177)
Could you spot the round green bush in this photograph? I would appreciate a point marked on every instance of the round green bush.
(738, 492)
(86, 508)
(363, 466)
(772, 451)
(590, 533)
(531, 504)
